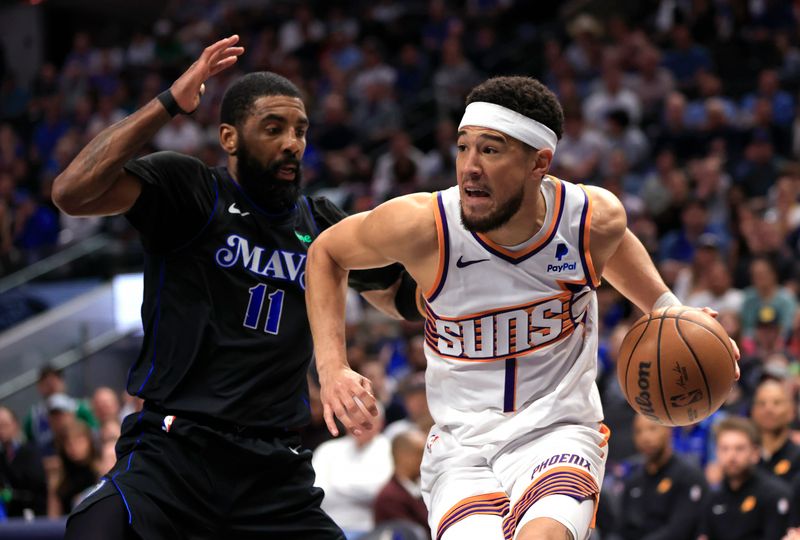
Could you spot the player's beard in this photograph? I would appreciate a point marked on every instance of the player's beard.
(503, 213)
(262, 184)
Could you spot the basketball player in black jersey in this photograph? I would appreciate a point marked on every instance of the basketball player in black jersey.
(215, 453)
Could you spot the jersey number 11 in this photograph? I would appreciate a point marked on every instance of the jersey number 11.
(274, 309)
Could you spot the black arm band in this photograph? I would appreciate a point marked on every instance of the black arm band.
(374, 279)
(168, 101)
(406, 298)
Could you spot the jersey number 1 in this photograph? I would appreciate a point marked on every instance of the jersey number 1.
(274, 310)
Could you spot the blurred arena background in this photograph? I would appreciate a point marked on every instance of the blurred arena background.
(685, 109)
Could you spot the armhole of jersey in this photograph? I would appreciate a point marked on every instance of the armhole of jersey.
(585, 232)
(317, 230)
(208, 221)
(444, 247)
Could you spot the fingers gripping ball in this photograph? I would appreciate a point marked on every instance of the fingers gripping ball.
(676, 366)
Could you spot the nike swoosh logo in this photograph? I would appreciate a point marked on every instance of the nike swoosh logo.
(463, 264)
(233, 210)
(295, 451)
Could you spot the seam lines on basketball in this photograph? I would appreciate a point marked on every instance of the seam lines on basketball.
(658, 367)
(696, 360)
(711, 331)
(633, 350)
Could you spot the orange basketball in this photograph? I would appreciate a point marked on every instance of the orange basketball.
(676, 366)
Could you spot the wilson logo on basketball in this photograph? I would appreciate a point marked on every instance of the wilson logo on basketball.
(643, 399)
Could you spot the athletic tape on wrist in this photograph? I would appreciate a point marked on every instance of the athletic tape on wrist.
(512, 123)
(665, 300)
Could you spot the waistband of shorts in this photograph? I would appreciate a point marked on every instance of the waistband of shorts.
(255, 432)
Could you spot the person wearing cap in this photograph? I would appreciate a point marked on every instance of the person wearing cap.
(766, 291)
(509, 260)
(693, 277)
(36, 425)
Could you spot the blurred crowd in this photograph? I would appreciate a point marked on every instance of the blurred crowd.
(685, 109)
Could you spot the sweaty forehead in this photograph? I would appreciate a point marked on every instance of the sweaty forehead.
(292, 109)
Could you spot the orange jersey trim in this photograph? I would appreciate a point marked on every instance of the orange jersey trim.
(441, 235)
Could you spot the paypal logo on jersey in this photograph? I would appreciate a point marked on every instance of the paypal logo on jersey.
(561, 252)
(271, 263)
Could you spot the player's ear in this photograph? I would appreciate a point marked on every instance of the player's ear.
(542, 161)
(228, 138)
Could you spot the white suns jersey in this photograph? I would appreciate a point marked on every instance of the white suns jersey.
(511, 336)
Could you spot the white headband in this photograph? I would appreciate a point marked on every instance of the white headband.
(512, 123)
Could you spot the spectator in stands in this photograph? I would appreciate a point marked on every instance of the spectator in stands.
(352, 470)
(453, 80)
(766, 291)
(377, 116)
(712, 184)
(386, 178)
(661, 497)
(672, 132)
(769, 87)
(621, 134)
(652, 82)
(109, 431)
(21, 470)
(182, 135)
(382, 389)
(718, 292)
(412, 393)
(580, 148)
(401, 497)
(680, 245)
(105, 405)
(610, 95)
(37, 424)
(78, 454)
(685, 58)
(439, 164)
(750, 502)
(773, 413)
(694, 277)
(760, 168)
(585, 52)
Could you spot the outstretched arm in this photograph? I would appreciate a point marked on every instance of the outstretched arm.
(618, 255)
(94, 183)
(623, 260)
(401, 230)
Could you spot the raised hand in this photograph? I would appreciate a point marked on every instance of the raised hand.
(217, 57)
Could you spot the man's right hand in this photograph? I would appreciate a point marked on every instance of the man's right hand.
(348, 396)
(217, 57)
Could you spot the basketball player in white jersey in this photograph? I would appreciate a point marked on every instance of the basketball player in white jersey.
(508, 261)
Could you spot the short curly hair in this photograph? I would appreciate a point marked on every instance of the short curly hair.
(524, 95)
(240, 96)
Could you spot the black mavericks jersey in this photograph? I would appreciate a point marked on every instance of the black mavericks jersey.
(226, 333)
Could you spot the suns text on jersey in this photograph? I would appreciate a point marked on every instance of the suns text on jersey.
(502, 333)
(271, 263)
